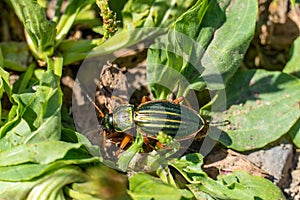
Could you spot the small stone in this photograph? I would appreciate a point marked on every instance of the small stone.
(276, 161)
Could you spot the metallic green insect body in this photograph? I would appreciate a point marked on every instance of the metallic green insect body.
(153, 117)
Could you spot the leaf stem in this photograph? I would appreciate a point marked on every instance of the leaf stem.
(57, 10)
(27, 76)
(55, 63)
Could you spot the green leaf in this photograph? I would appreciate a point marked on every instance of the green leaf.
(141, 20)
(230, 42)
(127, 156)
(203, 48)
(293, 65)
(166, 176)
(99, 183)
(261, 107)
(168, 52)
(67, 19)
(19, 131)
(15, 190)
(26, 78)
(78, 45)
(253, 185)
(40, 30)
(295, 133)
(75, 50)
(40, 110)
(294, 2)
(68, 182)
(47, 187)
(189, 166)
(78, 195)
(153, 13)
(145, 187)
(71, 136)
(239, 186)
(51, 187)
(4, 86)
(88, 16)
(4, 83)
(15, 55)
(55, 63)
(36, 153)
(30, 171)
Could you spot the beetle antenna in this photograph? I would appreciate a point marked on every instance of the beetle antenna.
(101, 114)
(219, 123)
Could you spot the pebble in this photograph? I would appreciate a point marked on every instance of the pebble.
(276, 160)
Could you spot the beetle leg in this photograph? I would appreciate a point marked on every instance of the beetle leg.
(145, 99)
(104, 138)
(101, 114)
(123, 101)
(178, 100)
(125, 141)
(147, 142)
(158, 144)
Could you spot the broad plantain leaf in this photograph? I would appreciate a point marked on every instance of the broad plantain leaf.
(15, 190)
(68, 182)
(36, 153)
(40, 30)
(153, 13)
(203, 48)
(295, 133)
(43, 188)
(4, 85)
(29, 171)
(35, 115)
(141, 20)
(15, 55)
(169, 57)
(238, 185)
(252, 96)
(71, 136)
(67, 19)
(293, 65)
(127, 156)
(188, 166)
(145, 187)
(52, 187)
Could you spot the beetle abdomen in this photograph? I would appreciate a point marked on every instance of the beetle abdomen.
(170, 118)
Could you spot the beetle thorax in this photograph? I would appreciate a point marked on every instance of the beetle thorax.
(123, 119)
